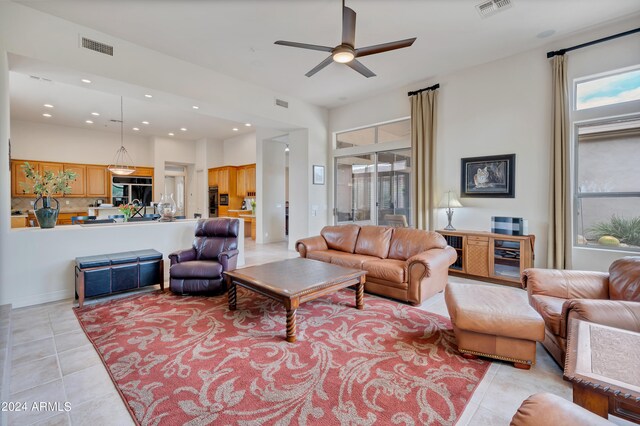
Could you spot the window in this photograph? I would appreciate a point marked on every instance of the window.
(390, 132)
(608, 184)
(609, 90)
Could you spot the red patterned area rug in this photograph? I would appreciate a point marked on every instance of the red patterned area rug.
(189, 360)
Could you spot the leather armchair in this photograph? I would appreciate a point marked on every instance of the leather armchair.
(199, 269)
(559, 296)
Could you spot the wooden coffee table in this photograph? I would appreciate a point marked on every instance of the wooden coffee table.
(295, 281)
(603, 364)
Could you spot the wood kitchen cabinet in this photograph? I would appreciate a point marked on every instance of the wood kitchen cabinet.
(250, 180)
(79, 184)
(246, 181)
(493, 257)
(143, 171)
(96, 183)
(18, 178)
(213, 177)
(54, 168)
(227, 180)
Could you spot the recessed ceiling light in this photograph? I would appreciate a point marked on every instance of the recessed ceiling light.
(145, 122)
(136, 129)
(46, 115)
(235, 129)
(48, 106)
(148, 96)
(170, 134)
(95, 114)
(184, 129)
(247, 124)
(85, 80)
(195, 107)
(88, 121)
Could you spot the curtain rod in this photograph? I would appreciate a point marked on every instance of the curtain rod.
(591, 43)
(434, 87)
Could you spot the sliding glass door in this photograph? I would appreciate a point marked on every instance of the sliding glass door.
(374, 188)
(355, 189)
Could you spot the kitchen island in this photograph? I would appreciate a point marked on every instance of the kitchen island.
(41, 262)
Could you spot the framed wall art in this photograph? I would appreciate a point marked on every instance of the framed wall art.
(318, 175)
(489, 177)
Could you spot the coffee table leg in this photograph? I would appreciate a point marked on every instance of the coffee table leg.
(360, 294)
(291, 325)
(232, 294)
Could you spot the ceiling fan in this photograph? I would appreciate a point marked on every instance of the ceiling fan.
(346, 53)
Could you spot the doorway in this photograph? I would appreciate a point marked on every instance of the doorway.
(175, 177)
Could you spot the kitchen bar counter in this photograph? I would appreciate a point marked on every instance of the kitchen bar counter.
(41, 261)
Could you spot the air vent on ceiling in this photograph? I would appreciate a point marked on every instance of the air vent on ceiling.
(490, 7)
(96, 46)
(281, 103)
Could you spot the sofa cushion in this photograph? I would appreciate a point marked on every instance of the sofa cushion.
(197, 269)
(550, 308)
(624, 279)
(349, 260)
(323, 255)
(407, 242)
(341, 237)
(387, 269)
(374, 241)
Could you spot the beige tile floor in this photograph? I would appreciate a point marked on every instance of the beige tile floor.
(53, 361)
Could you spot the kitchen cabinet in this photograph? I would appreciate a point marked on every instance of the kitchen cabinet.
(251, 180)
(223, 211)
(241, 189)
(227, 180)
(77, 185)
(494, 257)
(143, 171)
(18, 179)
(18, 221)
(96, 181)
(246, 181)
(213, 177)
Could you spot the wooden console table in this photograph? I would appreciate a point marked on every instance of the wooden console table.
(603, 365)
(492, 257)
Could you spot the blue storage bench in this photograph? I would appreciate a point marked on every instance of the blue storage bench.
(111, 273)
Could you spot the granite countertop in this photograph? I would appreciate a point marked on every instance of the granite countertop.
(246, 210)
(19, 215)
(252, 216)
(70, 210)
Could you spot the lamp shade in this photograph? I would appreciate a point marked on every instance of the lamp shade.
(449, 200)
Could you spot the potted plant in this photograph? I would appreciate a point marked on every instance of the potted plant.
(44, 185)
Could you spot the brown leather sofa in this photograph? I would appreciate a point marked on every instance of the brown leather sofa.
(546, 409)
(559, 296)
(407, 264)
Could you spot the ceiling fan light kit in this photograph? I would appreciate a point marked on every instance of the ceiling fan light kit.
(346, 53)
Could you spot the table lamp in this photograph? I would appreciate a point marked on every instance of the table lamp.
(450, 200)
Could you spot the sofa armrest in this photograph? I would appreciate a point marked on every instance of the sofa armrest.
(228, 259)
(183, 256)
(613, 313)
(428, 273)
(566, 284)
(555, 411)
(306, 245)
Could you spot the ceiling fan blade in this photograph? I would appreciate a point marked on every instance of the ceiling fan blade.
(358, 66)
(348, 26)
(320, 66)
(384, 47)
(304, 45)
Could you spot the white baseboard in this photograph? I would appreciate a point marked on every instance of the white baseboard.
(37, 299)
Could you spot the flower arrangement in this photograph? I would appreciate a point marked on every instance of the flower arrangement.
(127, 210)
(48, 183)
(253, 206)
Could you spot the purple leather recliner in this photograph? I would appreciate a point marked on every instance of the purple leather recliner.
(199, 269)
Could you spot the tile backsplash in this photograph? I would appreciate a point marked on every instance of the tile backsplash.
(23, 204)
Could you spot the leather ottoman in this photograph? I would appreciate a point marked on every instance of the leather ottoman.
(495, 322)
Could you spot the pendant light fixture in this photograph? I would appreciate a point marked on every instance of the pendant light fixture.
(122, 163)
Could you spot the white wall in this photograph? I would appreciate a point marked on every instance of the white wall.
(51, 142)
(273, 199)
(501, 107)
(240, 150)
(215, 153)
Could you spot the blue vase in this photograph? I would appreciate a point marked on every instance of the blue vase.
(47, 216)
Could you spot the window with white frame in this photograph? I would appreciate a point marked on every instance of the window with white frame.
(607, 161)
